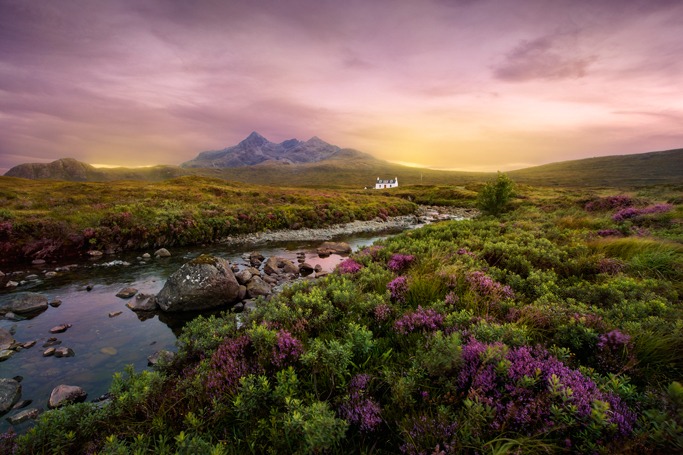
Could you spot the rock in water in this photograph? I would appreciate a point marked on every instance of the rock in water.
(10, 391)
(164, 356)
(6, 339)
(27, 302)
(204, 282)
(65, 394)
(127, 293)
(64, 352)
(257, 286)
(23, 416)
(328, 248)
(162, 253)
(60, 328)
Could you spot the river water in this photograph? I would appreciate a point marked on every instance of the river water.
(102, 344)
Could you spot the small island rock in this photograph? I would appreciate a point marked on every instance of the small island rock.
(66, 394)
(10, 391)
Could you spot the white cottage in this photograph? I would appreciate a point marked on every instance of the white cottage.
(382, 184)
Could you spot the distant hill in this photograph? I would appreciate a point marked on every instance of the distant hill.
(77, 171)
(256, 149)
(346, 168)
(641, 169)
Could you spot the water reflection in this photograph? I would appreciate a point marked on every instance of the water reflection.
(105, 344)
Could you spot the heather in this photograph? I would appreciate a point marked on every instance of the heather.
(55, 219)
(526, 332)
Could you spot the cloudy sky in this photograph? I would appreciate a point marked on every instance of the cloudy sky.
(458, 84)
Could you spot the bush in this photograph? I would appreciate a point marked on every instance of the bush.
(495, 196)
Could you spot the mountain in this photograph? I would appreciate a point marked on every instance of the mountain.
(256, 149)
(315, 163)
(77, 171)
(62, 169)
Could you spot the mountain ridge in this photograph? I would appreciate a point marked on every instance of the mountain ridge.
(256, 149)
(293, 163)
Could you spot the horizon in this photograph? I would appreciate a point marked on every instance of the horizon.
(469, 85)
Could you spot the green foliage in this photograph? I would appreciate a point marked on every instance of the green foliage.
(527, 319)
(495, 196)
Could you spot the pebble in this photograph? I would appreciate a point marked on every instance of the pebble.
(6, 354)
(48, 352)
(64, 352)
(60, 328)
(113, 314)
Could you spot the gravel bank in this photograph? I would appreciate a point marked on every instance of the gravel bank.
(425, 214)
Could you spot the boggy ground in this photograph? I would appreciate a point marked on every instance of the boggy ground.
(553, 328)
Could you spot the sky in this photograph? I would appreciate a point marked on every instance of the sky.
(476, 85)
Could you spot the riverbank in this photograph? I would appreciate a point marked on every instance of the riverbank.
(423, 215)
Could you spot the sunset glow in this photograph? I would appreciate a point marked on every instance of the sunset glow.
(478, 85)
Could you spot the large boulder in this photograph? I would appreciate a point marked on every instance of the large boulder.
(66, 394)
(204, 282)
(27, 302)
(10, 391)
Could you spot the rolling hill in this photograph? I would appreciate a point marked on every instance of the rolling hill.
(315, 163)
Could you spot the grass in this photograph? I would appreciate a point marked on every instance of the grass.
(529, 332)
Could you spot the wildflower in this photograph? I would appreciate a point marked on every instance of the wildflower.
(485, 286)
(349, 266)
(609, 203)
(359, 409)
(398, 287)
(399, 262)
(422, 318)
(286, 350)
(382, 312)
(231, 361)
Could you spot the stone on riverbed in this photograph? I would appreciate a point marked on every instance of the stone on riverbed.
(328, 248)
(204, 282)
(10, 391)
(23, 416)
(60, 328)
(6, 339)
(27, 302)
(162, 253)
(257, 286)
(143, 303)
(66, 394)
(6, 354)
(126, 293)
(163, 356)
(63, 351)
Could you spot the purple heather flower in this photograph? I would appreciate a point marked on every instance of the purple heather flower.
(287, 349)
(421, 432)
(359, 409)
(609, 203)
(485, 286)
(465, 251)
(231, 361)
(422, 318)
(399, 262)
(451, 298)
(398, 287)
(521, 384)
(609, 233)
(349, 266)
(382, 312)
(614, 351)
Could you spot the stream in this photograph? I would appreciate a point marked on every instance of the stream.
(105, 344)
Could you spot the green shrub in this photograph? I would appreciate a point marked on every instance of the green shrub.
(494, 198)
